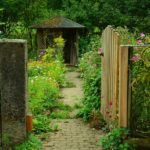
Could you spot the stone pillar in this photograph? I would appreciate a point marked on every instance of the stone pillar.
(13, 92)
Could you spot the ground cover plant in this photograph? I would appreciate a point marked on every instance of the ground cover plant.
(32, 143)
(115, 140)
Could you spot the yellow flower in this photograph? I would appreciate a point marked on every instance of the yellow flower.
(59, 41)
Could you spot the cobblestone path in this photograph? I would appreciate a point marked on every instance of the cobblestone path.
(73, 134)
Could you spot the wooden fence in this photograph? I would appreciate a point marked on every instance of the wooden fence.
(114, 78)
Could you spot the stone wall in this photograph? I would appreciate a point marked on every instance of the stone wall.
(13, 95)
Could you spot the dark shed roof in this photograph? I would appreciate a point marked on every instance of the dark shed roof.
(58, 22)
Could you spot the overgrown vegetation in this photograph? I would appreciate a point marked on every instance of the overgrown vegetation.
(32, 143)
(140, 100)
(115, 140)
(90, 72)
(46, 76)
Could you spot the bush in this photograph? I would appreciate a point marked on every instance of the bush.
(91, 73)
(32, 143)
(41, 124)
(46, 76)
(88, 43)
(114, 140)
(43, 93)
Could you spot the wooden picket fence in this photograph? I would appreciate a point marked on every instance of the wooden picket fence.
(114, 78)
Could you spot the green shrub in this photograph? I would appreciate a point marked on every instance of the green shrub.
(114, 140)
(41, 123)
(140, 76)
(43, 93)
(91, 73)
(32, 143)
(88, 43)
(54, 70)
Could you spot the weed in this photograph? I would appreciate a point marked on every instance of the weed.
(32, 143)
(41, 124)
(60, 115)
(115, 140)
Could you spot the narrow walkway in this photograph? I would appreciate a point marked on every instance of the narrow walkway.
(73, 133)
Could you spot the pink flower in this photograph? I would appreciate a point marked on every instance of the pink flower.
(136, 58)
(100, 51)
(110, 103)
(142, 35)
(139, 42)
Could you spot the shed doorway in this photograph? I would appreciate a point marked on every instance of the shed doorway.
(67, 47)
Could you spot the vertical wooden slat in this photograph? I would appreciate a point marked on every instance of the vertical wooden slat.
(115, 72)
(102, 76)
(110, 67)
(123, 84)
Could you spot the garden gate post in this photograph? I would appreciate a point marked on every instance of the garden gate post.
(123, 86)
(13, 79)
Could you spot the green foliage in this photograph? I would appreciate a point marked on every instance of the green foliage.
(121, 13)
(45, 78)
(90, 69)
(60, 115)
(55, 51)
(54, 70)
(140, 72)
(43, 93)
(41, 124)
(32, 143)
(88, 43)
(114, 140)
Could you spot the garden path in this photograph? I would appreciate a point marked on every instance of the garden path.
(73, 133)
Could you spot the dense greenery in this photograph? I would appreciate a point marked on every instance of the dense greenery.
(114, 140)
(16, 16)
(46, 76)
(32, 143)
(90, 72)
(140, 100)
(119, 13)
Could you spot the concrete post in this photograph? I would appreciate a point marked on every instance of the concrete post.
(13, 92)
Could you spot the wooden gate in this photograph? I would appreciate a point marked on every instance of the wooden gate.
(114, 78)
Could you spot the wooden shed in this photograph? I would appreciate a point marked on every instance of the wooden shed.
(55, 26)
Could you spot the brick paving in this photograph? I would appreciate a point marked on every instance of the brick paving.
(73, 134)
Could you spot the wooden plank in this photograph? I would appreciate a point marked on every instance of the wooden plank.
(123, 84)
(110, 71)
(116, 73)
(113, 74)
(102, 76)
